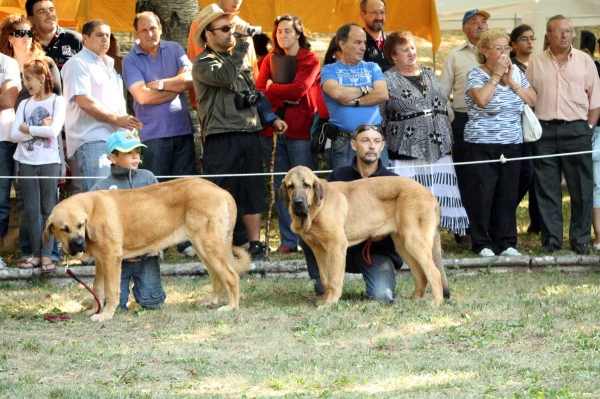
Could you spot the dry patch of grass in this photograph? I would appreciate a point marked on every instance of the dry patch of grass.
(521, 336)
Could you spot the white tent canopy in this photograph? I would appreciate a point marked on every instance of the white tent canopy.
(510, 13)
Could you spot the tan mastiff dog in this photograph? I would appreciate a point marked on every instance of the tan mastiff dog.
(330, 216)
(112, 225)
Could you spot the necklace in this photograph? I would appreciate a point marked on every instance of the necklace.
(416, 80)
(424, 89)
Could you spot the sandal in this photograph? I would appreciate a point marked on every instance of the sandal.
(49, 267)
(27, 264)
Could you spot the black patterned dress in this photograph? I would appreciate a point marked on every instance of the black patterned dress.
(419, 140)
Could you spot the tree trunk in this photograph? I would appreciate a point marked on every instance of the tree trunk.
(176, 16)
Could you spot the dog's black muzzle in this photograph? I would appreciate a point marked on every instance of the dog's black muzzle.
(77, 245)
(299, 207)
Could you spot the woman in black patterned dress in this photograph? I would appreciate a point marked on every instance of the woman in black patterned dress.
(417, 130)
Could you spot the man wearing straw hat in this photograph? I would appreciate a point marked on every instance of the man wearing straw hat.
(226, 98)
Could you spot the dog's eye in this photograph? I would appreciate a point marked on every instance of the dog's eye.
(79, 225)
(290, 186)
(306, 185)
(66, 229)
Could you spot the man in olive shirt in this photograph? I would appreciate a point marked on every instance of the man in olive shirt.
(568, 106)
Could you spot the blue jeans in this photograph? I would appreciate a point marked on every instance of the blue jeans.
(90, 160)
(147, 285)
(380, 277)
(24, 241)
(342, 154)
(170, 156)
(39, 200)
(288, 154)
(7, 164)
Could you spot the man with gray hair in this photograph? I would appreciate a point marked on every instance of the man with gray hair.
(568, 107)
(453, 79)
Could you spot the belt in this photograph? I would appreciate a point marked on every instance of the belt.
(344, 134)
(425, 112)
(559, 121)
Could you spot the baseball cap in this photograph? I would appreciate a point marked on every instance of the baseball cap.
(123, 140)
(471, 13)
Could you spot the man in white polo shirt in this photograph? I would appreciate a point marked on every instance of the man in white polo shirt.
(95, 106)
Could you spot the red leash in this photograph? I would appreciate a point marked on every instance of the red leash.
(366, 252)
(87, 287)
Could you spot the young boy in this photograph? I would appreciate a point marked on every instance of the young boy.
(123, 149)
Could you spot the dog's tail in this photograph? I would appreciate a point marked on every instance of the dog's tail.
(437, 259)
(240, 261)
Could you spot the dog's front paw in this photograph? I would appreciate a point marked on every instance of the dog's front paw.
(227, 308)
(102, 316)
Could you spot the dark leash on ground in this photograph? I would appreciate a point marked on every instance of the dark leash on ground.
(272, 190)
(70, 272)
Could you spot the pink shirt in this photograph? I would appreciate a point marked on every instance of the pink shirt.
(568, 92)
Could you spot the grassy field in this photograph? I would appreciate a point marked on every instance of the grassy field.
(501, 336)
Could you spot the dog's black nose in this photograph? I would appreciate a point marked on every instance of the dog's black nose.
(298, 201)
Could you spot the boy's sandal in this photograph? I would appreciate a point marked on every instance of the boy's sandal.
(27, 264)
(49, 267)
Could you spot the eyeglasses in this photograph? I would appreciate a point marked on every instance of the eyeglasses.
(377, 13)
(500, 48)
(527, 39)
(22, 32)
(224, 28)
(561, 31)
(367, 126)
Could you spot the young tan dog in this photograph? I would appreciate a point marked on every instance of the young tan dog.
(330, 216)
(110, 225)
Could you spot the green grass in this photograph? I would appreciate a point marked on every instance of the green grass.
(501, 336)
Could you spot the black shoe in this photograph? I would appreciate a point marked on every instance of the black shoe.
(257, 251)
(581, 249)
(548, 248)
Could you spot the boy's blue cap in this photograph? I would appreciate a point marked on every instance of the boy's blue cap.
(471, 13)
(123, 140)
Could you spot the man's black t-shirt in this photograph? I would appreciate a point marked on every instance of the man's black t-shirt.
(64, 45)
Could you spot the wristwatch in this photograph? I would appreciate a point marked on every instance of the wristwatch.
(161, 85)
(356, 102)
(592, 126)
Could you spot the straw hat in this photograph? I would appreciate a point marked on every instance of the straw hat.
(204, 18)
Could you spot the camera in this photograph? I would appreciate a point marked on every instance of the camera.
(251, 31)
(246, 99)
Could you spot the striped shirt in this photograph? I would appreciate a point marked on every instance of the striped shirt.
(499, 121)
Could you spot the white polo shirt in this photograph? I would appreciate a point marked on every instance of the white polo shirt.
(86, 73)
(9, 70)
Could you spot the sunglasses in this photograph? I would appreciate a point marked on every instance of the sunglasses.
(224, 28)
(22, 33)
(367, 126)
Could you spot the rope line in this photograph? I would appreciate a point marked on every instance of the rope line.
(502, 159)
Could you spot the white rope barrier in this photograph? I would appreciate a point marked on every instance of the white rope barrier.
(502, 159)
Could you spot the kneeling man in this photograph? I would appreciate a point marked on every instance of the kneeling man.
(380, 275)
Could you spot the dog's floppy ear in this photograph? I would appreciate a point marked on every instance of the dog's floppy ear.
(319, 191)
(283, 196)
(47, 231)
(90, 230)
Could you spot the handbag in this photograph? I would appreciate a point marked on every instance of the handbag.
(532, 129)
(318, 136)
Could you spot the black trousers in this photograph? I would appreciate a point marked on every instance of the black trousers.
(526, 186)
(563, 139)
(492, 195)
(459, 154)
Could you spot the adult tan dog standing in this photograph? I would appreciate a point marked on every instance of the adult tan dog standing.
(112, 225)
(330, 216)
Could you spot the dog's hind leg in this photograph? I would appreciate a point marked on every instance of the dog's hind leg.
(417, 272)
(216, 284)
(214, 257)
(112, 286)
(421, 250)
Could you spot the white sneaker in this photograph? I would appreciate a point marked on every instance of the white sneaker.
(190, 252)
(2, 264)
(487, 253)
(597, 247)
(510, 251)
